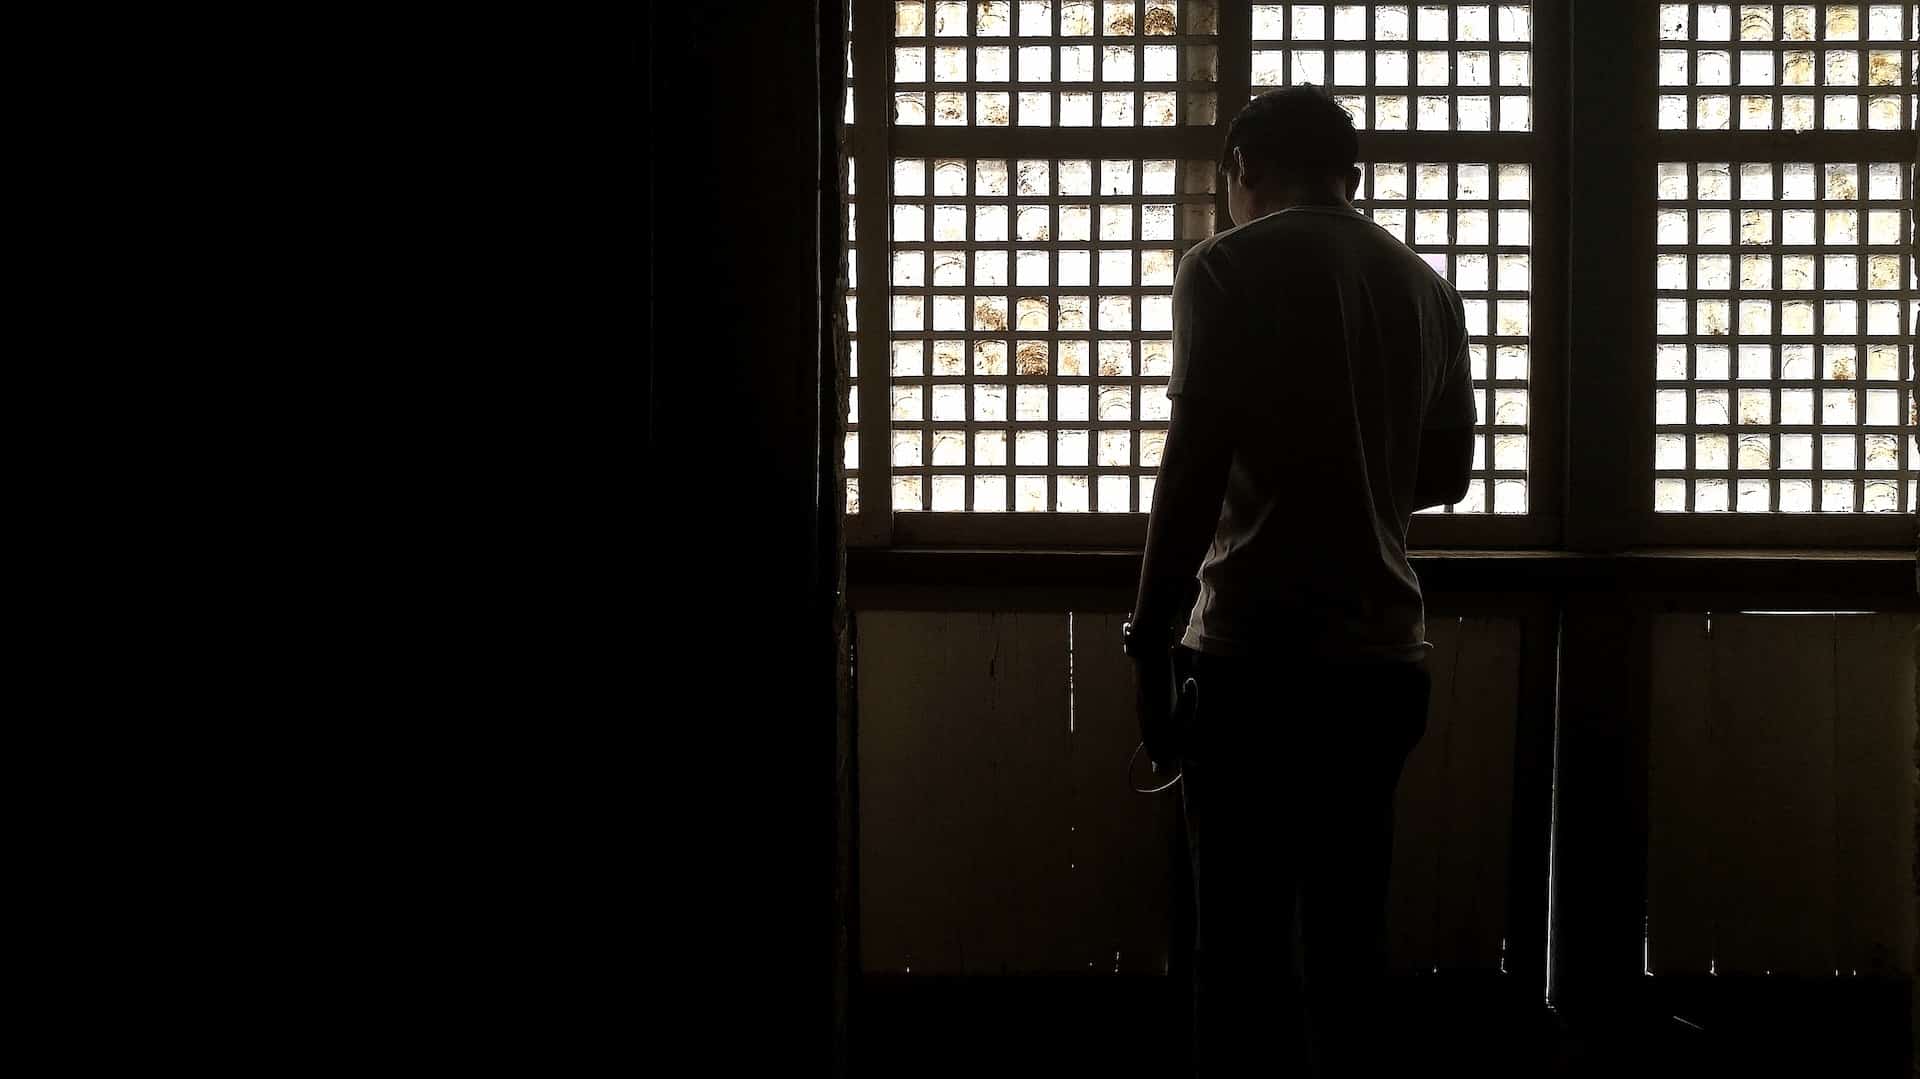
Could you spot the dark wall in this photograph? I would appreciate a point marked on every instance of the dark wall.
(741, 679)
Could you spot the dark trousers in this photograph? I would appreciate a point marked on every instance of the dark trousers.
(1290, 770)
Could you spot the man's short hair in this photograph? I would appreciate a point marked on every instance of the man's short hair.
(1299, 129)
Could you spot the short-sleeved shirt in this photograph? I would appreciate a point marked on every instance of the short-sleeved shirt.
(1329, 347)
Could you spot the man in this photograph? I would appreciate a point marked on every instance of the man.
(1321, 395)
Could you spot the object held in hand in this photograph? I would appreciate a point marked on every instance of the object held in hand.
(1181, 722)
(1168, 785)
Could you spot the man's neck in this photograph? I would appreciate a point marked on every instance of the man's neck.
(1298, 199)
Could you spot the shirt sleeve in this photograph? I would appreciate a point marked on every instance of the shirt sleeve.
(1453, 405)
(1202, 331)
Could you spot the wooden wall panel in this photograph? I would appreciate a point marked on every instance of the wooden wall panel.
(1684, 853)
(911, 859)
(1453, 827)
(1025, 864)
(1782, 784)
(1481, 695)
(1119, 838)
(1874, 662)
(963, 741)
(1773, 713)
(994, 839)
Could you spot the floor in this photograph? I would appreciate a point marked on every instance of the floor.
(1479, 1026)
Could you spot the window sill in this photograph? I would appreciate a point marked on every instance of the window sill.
(1095, 578)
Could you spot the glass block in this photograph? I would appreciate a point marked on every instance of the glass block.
(1669, 452)
(1710, 496)
(907, 494)
(1030, 448)
(989, 494)
(907, 448)
(1030, 494)
(950, 18)
(990, 448)
(1070, 449)
(909, 18)
(1881, 497)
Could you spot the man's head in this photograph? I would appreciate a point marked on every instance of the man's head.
(1288, 147)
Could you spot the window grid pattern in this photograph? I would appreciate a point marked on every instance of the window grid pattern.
(1400, 67)
(1031, 336)
(1473, 224)
(1038, 63)
(1794, 67)
(1029, 296)
(1784, 375)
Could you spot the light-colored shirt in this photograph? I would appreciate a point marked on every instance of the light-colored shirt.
(1329, 347)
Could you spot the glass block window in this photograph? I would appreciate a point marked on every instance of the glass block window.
(1404, 67)
(1789, 67)
(1031, 328)
(1048, 162)
(1041, 63)
(1784, 363)
(1472, 222)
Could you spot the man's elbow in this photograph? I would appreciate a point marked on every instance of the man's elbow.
(1442, 492)
(1446, 467)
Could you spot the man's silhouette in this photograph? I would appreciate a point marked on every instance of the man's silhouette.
(1321, 395)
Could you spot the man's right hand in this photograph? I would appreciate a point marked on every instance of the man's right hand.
(1153, 697)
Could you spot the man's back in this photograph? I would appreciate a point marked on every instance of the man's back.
(1332, 347)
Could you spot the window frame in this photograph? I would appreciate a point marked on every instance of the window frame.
(1590, 430)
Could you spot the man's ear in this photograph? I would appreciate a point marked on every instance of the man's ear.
(1240, 167)
(1353, 182)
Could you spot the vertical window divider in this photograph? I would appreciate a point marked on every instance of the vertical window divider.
(1610, 295)
(873, 164)
(1547, 373)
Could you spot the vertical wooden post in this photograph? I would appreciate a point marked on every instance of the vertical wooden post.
(1600, 818)
(1526, 955)
(1598, 886)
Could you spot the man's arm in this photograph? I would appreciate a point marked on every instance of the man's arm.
(1446, 440)
(1186, 497)
(1186, 509)
(1199, 447)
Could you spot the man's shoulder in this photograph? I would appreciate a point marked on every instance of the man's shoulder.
(1258, 247)
(1203, 251)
